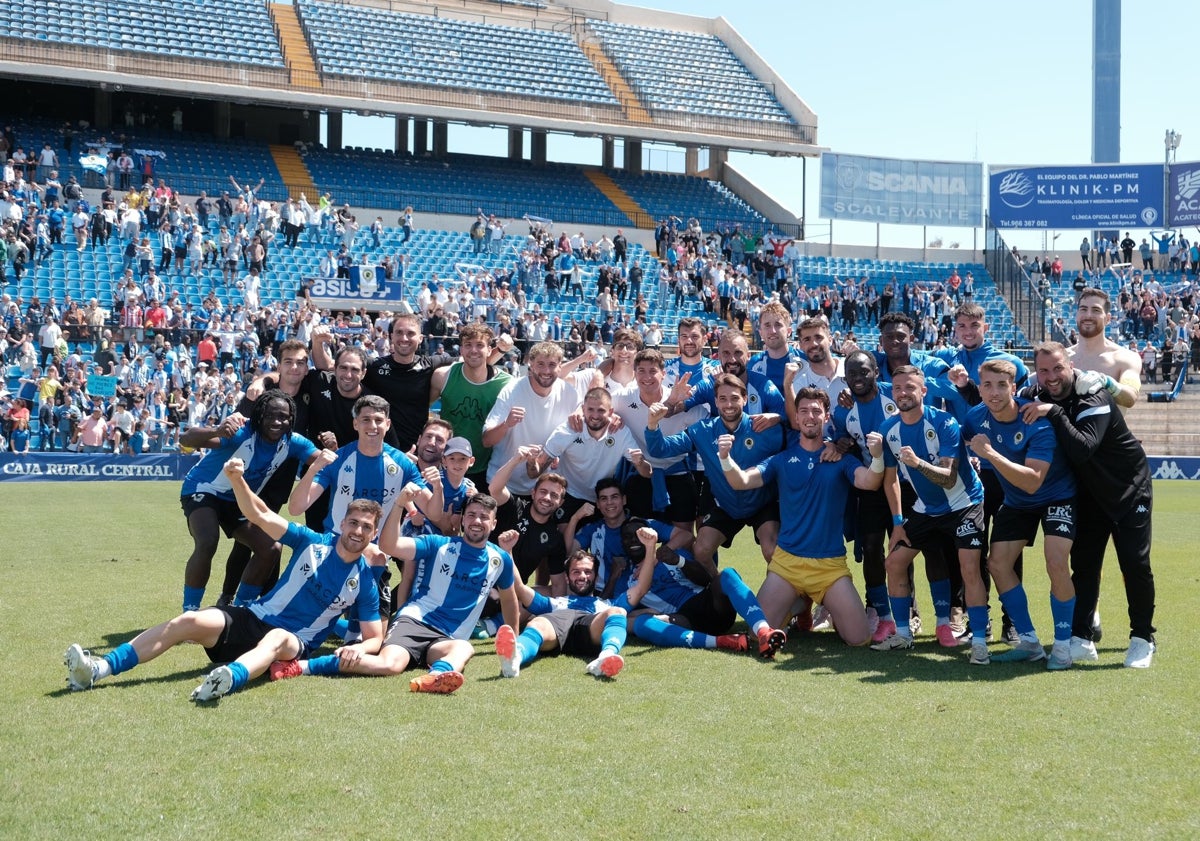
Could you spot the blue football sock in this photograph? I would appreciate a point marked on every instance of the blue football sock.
(612, 636)
(441, 666)
(901, 608)
(1062, 613)
(665, 634)
(978, 616)
(341, 627)
(877, 598)
(326, 665)
(939, 591)
(241, 676)
(744, 601)
(192, 596)
(529, 643)
(246, 593)
(122, 658)
(1016, 605)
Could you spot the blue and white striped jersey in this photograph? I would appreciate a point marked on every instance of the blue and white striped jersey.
(862, 418)
(317, 587)
(935, 436)
(452, 583)
(262, 459)
(356, 476)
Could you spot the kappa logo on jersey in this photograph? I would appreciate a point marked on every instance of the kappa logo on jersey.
(327, 394)
(385, 369)
(577, 441)
(1064, 528)
(976, 543)
(985, 425)
(1141, 509)
(794, 460)
(347, 469)
(633, 405)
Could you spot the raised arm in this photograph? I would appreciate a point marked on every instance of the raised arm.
(256, 511)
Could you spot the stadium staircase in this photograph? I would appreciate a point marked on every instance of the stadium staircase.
(302, 71)
(634, 110)
(624, 202)
(294, 171)
(1167, 429)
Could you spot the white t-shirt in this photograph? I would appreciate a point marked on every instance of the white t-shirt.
(542, 416)
(584, 460)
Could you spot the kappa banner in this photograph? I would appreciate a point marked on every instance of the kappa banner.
(900, 192)
(1095, 196)
(1174, 467)
(99, 467)
(366, 287)
(1184, 195)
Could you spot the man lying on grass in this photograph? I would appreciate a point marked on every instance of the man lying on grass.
(326, 576)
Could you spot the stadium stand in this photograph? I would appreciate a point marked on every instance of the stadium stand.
(235, 31)
(654, 61)
(419, 49)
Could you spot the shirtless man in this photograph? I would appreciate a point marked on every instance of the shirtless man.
(1096, 352)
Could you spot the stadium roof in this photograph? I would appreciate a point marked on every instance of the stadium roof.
(589, 67)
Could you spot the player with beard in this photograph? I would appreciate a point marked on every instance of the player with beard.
(763, 400)
(445, 583)
(925, 446)
(726, 511)
(468, 390)
(529, 409)
(690, 363)
(1120, 367)
(327, 574)
(1114, 497)
(578, 624)
(872, 405)
(584, 458)
(775, 331)
(819, 368)
(265, 443)
(809, 560)
(1038, 488)
(540, 548)
(403, 378)
(672, 492)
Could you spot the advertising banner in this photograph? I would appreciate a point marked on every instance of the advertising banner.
(1184, 197)
(366, 287)
(901, 192)
(1095, 196)
(99, 467)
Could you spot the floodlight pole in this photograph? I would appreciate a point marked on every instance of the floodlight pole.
(1170, 143)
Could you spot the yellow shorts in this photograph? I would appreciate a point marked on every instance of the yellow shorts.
(810, 576)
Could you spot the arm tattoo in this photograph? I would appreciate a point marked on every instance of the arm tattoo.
(943, 474)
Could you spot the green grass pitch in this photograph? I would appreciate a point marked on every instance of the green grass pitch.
(826, 741)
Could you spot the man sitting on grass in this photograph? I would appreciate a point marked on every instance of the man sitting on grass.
(326, 576)
(578, 623)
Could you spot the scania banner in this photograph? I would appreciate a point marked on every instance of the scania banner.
(901, 192)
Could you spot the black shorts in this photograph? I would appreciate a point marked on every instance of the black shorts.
(1021, 524)
(229, 516)
(573, 630)
(243, 632)
(729, 526)
(414, 637)
(180, 252)
(681, 487)
(965, 527)
(709, 612)
(874, 515)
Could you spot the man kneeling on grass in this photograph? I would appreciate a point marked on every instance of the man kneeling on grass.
(326, 576)
(445, 583)
(578, 623)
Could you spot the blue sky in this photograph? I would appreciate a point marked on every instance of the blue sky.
(1000, 83)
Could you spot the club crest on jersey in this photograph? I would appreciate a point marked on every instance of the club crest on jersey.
(352, 583)
(543, 538)
(609, 441)
(494, 562)
(392, 470)
(1018, 437)
(748, 443)
(889, 408)
(930, 434)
